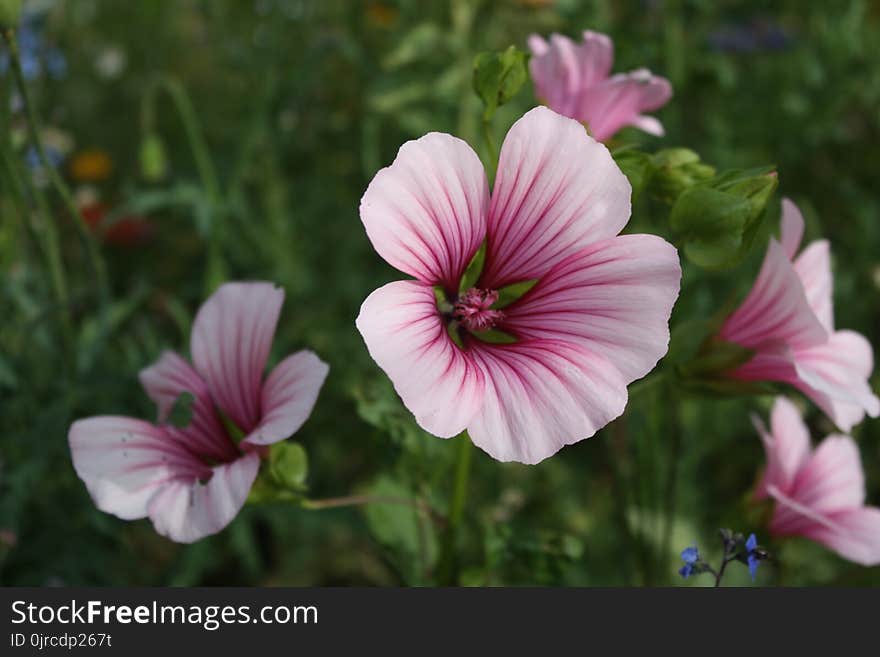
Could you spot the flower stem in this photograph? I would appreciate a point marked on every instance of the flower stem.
(363, 500)
(33, 124)
(204, 164)
(639, 387)
(447, 574)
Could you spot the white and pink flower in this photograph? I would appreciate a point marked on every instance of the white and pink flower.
(788, 320)
(575, 80)
(596, 320)
(192, 481)
(819, 494)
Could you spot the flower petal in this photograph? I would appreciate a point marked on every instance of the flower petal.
(787, 446)
(854, 536)
(406, 336)
(621, 100)
(557, 191)
(231, 338)
(165, 381)
(541, 396)
(832, 479)
(426, 213)
(792, 231)
(813, 267)
(124, 462)
(853, 533)
(775, 310)
(187, 510)
(289, 395)
(613, 297)
(835, 376)
(562, 69)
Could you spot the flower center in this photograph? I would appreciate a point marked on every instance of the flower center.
(473, 310)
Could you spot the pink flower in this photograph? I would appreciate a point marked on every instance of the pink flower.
(573, 79)
(192, 481)
(787, 319)
(596, 320)
(819, 494)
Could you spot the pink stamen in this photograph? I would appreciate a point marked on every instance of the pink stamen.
(473, 310)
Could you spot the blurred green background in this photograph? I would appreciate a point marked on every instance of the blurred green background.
(299, 103)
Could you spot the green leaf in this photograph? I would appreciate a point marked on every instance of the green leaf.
(419, 42)
(498, 77)
(401, 528)
(181, 410)
(289, 465)
(636, 166)
(717, 221)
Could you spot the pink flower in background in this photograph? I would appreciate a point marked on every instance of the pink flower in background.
(596, 320)
(787, 319)
(819, 494)
(573, 79)
(192, 481)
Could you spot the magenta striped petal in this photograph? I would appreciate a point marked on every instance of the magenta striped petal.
(289, 395)
(557, 191)
(835, 376)
(426, 213)
(792, 228)
(164, 382)
(854, 534)
(613, 298)
(124, 462)
(776, 310)
(231, 338)
(187, 510)
(562, 69)
(407, 338)
(573, 80)
(831, 479)
(621, 101)
(787, 446)
(542, 395)
(813, 267)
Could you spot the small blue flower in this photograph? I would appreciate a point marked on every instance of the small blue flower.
(752, 557)
(690, 556)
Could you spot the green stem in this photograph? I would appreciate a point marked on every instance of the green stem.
(670, 496)
(204, 164)
(85, 235)
(491, 148)
(448, 567)
(363, 500)
(639, 388)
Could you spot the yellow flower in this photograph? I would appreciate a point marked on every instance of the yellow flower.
(91, 166)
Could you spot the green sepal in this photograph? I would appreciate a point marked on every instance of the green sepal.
(510, 293)
(494, 336)
(472, 272)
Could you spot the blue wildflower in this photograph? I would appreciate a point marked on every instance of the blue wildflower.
(752, 557)
(691, 557)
